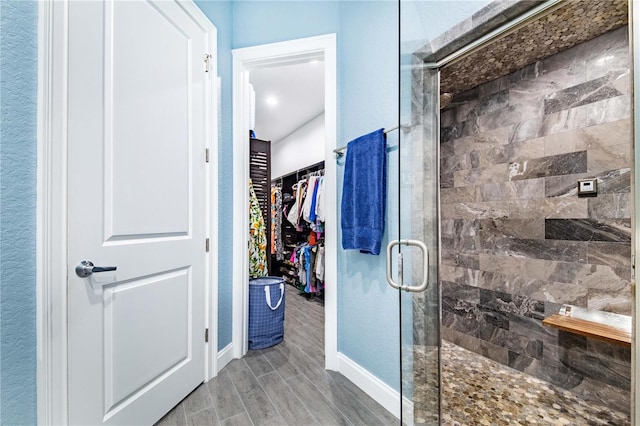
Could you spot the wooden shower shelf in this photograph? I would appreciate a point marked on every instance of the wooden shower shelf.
(589, 329)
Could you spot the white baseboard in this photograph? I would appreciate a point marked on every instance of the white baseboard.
(225, 356)
(407, 406)
(381, 392)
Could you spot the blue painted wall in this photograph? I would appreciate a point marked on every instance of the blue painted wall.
(262, 22)
(18, 86)
(368, 70)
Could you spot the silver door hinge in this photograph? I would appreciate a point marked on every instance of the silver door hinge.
(206, 155)
(207, 57)
(206, 335)
(206, 245)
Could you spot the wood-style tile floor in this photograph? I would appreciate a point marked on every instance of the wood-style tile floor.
(287, 385)
(282, 385)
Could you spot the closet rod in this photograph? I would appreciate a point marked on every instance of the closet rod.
(319, 172)
(303, 170)
(405, 128)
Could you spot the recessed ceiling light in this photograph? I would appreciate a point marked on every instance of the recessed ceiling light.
(313, 61)
(271, 101)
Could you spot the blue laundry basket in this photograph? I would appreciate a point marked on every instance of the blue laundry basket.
(266, 312)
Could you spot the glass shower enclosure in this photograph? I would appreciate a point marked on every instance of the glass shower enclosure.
(413, 256)
(392, 329)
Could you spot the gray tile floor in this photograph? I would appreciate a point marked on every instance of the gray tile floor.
(282, 385)
(287, 385)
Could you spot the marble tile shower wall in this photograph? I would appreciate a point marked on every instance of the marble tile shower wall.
(517, 241)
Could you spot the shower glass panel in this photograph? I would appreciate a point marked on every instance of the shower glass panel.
(390, 333)
(417, 198)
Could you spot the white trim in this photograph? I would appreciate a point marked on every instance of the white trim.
(243, 61)
(51, 213)
(240, 220)
(51, 209)
(211, 110)
(212, 97)
(198, 16)
(331, 232)
(225, 356)
(381, 392)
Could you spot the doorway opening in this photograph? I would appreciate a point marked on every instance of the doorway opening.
(286, 170)
(263, 65)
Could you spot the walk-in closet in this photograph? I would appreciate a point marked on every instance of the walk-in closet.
(297, 230)
(287, 205)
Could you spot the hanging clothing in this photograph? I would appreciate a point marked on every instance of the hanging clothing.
(294, 214)
(301, 194)
(257, 237)
(316, 224)
(308, 200)
(303, 264)
(308, 259)
(320, 201)
(319, 269)
(277, 246)
(272, 221)
(302, 272)
(314, 200)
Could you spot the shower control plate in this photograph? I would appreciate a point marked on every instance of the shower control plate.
(588, 187)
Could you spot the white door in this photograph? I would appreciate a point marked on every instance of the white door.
(136, 190)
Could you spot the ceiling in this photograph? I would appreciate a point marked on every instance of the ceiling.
(299, 90)
(574, 22)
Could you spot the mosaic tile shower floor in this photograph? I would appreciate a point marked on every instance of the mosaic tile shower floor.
(479, 391)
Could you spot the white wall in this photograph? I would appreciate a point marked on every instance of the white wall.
(300, 149)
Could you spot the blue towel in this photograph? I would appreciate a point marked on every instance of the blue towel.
(364, 193)
(312, 214)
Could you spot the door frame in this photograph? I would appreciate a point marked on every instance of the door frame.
(269, 55)
(52, 213)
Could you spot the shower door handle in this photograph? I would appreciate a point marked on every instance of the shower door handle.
(425, 265)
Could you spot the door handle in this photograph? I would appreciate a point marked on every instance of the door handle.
(425, 265)
(86, 268)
